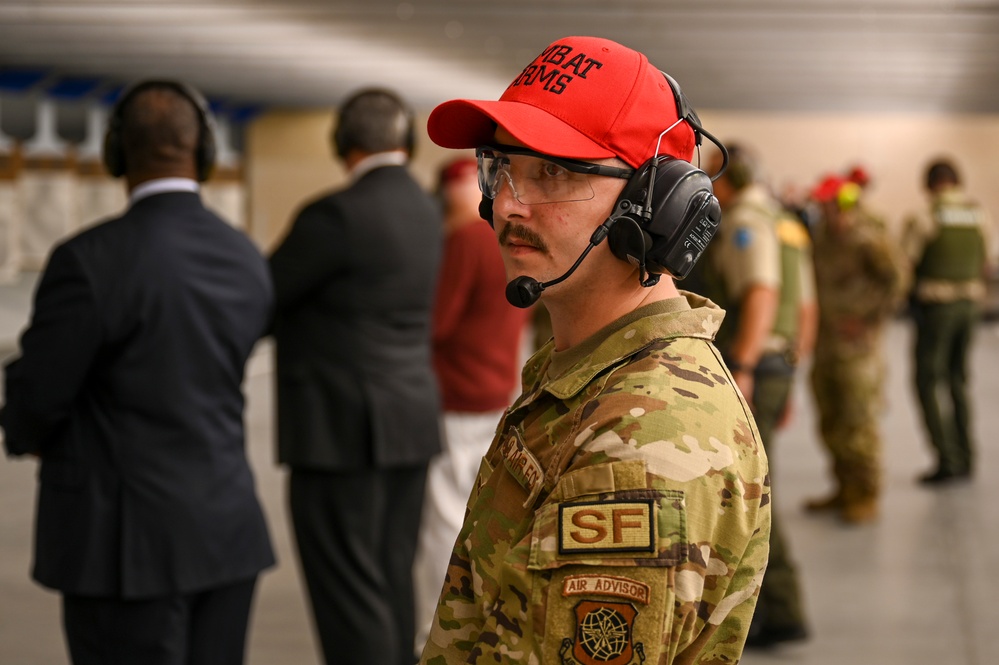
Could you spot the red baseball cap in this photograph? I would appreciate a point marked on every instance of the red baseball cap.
(859, 175)
(828, 188)
(583, 98)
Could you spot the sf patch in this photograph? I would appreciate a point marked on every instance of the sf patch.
(600, 527)
(604, 636)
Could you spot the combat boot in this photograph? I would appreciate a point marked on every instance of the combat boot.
(860, 510)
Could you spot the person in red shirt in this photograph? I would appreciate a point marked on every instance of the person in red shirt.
(477, 338)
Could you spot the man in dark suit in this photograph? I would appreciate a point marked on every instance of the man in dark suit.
(357, 400)
(128, 390)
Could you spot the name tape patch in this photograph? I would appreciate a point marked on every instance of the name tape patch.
(606, 526)
(523, 466)
(606, 585)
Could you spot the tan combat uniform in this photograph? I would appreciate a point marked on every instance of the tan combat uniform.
(860, 281)
(757, 247)
(622, 513)
(746, 252)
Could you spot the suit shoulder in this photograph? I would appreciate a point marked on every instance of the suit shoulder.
(398, 178)
(320, 206)
(102, 233)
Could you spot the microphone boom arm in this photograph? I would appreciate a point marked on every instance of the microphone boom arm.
(524, 291)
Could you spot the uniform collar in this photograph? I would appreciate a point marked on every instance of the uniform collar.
(752, 195)
(569, 371)
(951, 195)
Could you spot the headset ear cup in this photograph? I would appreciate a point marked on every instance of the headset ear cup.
(669, 230)
(340, 147)
(410, 133)
(114, 160)
(486, 210)
(629, 241)
(699, 224)
(205, 156)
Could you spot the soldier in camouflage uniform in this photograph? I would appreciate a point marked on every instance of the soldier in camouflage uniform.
(759, 271)
(949, 247)
(621, 515)
(860, 280)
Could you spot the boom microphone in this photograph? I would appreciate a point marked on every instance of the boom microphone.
(524, 291)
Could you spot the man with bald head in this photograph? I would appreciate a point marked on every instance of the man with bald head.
(127, 391)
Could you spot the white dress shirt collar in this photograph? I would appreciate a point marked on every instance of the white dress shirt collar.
(378, 160)
(161, 185)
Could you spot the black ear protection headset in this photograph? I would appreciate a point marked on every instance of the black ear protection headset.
(114, 148)
(667, 213)
(352, 121)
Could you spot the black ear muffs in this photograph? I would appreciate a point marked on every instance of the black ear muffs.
(114, 149)
(667, 213)
(670, 231)
(350, 122)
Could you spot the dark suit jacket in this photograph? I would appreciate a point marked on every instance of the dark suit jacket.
(355, 281)
(129, 387)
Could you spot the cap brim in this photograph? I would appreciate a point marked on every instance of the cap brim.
(465, 123)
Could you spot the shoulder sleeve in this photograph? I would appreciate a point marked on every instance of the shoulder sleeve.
(888, 270)
(806, 276)
(752, 255)
(57, 351)
(456, 280)
(314, 249)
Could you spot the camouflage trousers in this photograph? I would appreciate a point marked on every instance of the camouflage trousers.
(849, 397)
(779, 605)
(943, 339)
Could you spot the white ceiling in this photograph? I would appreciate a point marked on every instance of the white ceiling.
(842, 55)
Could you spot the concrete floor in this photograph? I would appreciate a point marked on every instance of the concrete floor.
(918, 587)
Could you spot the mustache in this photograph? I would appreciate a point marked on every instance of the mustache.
(523, 233)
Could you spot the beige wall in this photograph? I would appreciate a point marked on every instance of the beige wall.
(289, 160)
(895, 150)
(288, 157)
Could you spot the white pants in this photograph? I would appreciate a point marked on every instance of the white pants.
(466, 438)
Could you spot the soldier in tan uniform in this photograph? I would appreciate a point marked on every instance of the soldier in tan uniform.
(950, 249)
(621, 515)
(759, 271)
(860, 280)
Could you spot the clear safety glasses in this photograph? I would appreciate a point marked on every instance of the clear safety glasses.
(538, 178)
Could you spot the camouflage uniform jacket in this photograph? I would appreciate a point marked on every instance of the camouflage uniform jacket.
(622, 513)
(860, 280)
